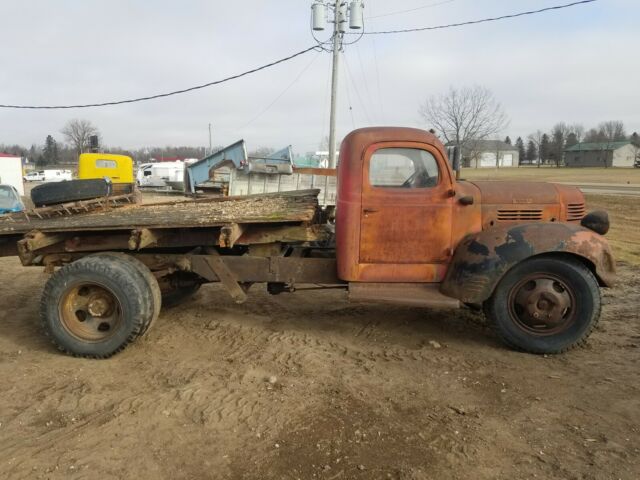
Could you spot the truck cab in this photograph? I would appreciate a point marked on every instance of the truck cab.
(117, 168)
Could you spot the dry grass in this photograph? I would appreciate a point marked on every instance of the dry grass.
(553, 174)
(624, 235)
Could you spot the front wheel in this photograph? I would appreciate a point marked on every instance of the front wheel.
(545, 305)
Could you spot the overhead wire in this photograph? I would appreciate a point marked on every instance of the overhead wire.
(167, 94)
(346, 83)
(318, 47)
(475, 22)
(350, 75)
(377, 71)
(275, 100)
(410, 10)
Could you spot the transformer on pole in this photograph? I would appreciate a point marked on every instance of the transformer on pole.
(344, 14)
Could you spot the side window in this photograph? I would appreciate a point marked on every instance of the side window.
(403, 168)
(106, 164)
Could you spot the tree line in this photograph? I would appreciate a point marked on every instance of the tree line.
(463, 116)
(548, 147)
(76, 135)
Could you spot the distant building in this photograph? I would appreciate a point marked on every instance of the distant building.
(490, 153)
(602, 154)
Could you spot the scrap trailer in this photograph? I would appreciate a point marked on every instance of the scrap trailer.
(405, 231)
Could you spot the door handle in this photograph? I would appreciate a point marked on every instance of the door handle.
(369, 210)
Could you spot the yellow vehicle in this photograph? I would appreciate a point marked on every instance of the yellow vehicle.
(117, 168)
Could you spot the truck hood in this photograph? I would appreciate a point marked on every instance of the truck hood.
(516, 193)
(524, 202)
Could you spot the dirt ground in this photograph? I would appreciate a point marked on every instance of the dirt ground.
(309, 386)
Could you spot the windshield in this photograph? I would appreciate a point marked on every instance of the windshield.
(8, 198)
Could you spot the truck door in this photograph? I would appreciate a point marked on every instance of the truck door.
(405, 231)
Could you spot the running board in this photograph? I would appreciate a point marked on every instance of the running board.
(414, 294)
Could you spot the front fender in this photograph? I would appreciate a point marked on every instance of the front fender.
(481, 259)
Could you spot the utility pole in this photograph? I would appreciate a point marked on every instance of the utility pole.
(343, 13)
(334, 86)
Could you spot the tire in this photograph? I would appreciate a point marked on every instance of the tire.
(545, 305)
(69, 191)
(146, 276)
(95, 306)
(177, 288)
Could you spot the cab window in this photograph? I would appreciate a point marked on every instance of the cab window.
(106, 164)
(403, 168)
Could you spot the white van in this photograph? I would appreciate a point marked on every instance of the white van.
(57, 175)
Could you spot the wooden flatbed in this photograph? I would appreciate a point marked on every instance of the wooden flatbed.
(282, 207)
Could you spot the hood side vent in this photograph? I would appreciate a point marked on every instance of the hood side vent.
(575, 211)
(519, 215)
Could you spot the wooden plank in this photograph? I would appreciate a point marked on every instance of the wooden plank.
(229, 234)
(207, 264)
(284, 234)
(283, 207)
(36, 240)
(143, 238)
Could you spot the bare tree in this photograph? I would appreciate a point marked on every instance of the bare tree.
(578, 130)
(77, 133)
(613, 130)
(536, 138)
(463, 116)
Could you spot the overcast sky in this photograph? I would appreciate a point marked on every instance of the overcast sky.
(577, 65)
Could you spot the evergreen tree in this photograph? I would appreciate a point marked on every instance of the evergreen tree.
(572, 139)
(532, 151)
(507, 140)
(522, 154)
(635, 139)
(556, 147)
(543, 150)
(50, 151)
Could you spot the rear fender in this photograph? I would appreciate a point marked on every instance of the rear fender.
(481, 259)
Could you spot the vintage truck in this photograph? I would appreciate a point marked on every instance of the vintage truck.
(405, 231)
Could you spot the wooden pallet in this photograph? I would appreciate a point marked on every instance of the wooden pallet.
(71, 208)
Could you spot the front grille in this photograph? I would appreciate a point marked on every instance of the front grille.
(575, 211)
(519, 215)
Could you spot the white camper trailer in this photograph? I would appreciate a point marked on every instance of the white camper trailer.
(11, 171)
(162, 175)
(57, 175)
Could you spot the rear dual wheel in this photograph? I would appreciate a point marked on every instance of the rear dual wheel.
(545, 305)
(97, 305)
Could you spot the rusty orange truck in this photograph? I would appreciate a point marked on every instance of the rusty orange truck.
(405, 231)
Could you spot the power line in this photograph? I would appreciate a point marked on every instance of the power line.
(168, 94)
(409, 10)
(275, 100)
(350, 77)
(484, 20)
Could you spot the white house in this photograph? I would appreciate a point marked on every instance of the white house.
(11, 171)
(490, 153)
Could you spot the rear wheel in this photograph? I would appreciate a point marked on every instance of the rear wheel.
(545, 305)
(146, 276)
(95, 306)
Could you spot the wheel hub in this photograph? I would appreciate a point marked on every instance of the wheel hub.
(90, 312)
(542, 304)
